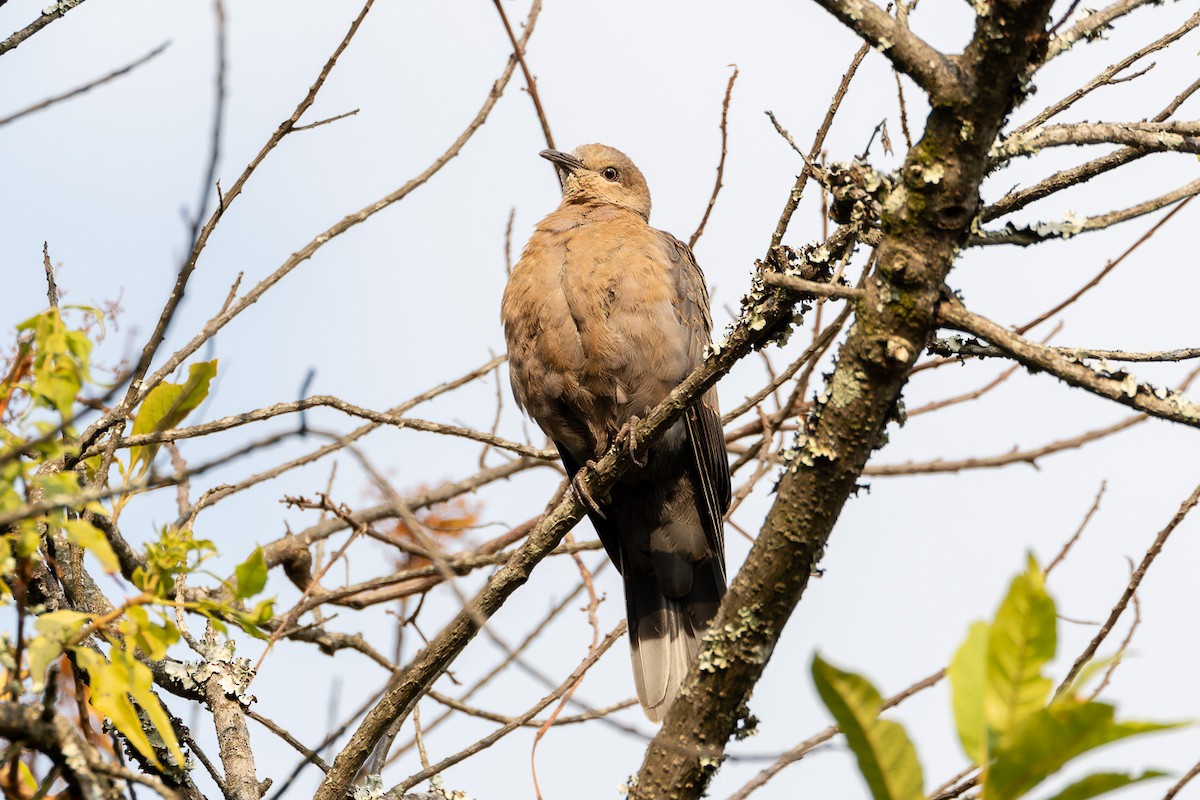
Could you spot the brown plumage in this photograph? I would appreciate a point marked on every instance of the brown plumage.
(604, 316)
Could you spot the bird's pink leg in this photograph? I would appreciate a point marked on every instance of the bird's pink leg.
(582, 493)
(627, 438)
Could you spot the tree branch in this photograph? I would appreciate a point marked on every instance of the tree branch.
(924, 223)
(912, 55)
(1119, 387)
(49, 14)
(764, 314)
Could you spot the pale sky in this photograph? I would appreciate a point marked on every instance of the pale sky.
(411, 298)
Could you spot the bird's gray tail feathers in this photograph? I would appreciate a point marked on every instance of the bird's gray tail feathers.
(664, 635)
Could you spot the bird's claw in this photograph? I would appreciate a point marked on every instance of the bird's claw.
(583, 494)
(627, 438)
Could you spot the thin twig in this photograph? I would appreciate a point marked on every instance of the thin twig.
(1066, 548)
(712, 200)
(530, 82)
(592, 657)
(835, 103)
(87, 87)
(1134, 582)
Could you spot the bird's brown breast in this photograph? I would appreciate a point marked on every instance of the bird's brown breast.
(593, 328)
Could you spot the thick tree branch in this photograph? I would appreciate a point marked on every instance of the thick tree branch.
(926, 216)
(912, 55)
(54, 735)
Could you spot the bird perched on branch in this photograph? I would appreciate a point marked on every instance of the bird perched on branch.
(604, 316)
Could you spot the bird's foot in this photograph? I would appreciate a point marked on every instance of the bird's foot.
(627, 438)
(582, 492)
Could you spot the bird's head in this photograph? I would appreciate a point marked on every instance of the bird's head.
(596, 172)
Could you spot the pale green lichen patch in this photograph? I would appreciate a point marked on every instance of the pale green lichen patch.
(371, 788)
(896, 201)
(1171, 141)
(1070, 225)
(812, 451)
(845, 388)
(61, 7)
(930, 174)
(716, 654)
(1012, 146)
(233, 675)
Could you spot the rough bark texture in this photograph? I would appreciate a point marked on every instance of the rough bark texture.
(54, 735)
(926, 217)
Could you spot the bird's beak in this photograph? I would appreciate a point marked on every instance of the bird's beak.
(564, 164)
(564, 161)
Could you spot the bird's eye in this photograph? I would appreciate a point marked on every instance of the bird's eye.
(611, 174)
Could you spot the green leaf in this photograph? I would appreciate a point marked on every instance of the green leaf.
(151, 638)
(1023, 638)
(86, 535)
(1045, 740)
(56, 631)
(166, 406)
(113, 684)
(251, 575)
(886, 757)
(61, 359)
(1102, 783)
(251, 622)
(968, 673)
(175, 553)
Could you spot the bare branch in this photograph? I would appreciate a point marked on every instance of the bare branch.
(712, 200)
(1030, 457)
(960, 347)
(1134, 582)
(326, 401)
(516, 722)
(1121, 388)
(1092, 26)
(835, 103)
(1107, 76)
(1074, 224)
(48, 15)
(519, 53)
(87, 87)
(1109, 267)
(1152, 137)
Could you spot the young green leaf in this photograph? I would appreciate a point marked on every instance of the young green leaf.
(886, 757)
(1100, 783)
(1023, 638)
(968, 673)
(166, 406)
(61, 360)
(56, 630)
(251, 575)
(112, 684)
(1041, 743)
(151, 638)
